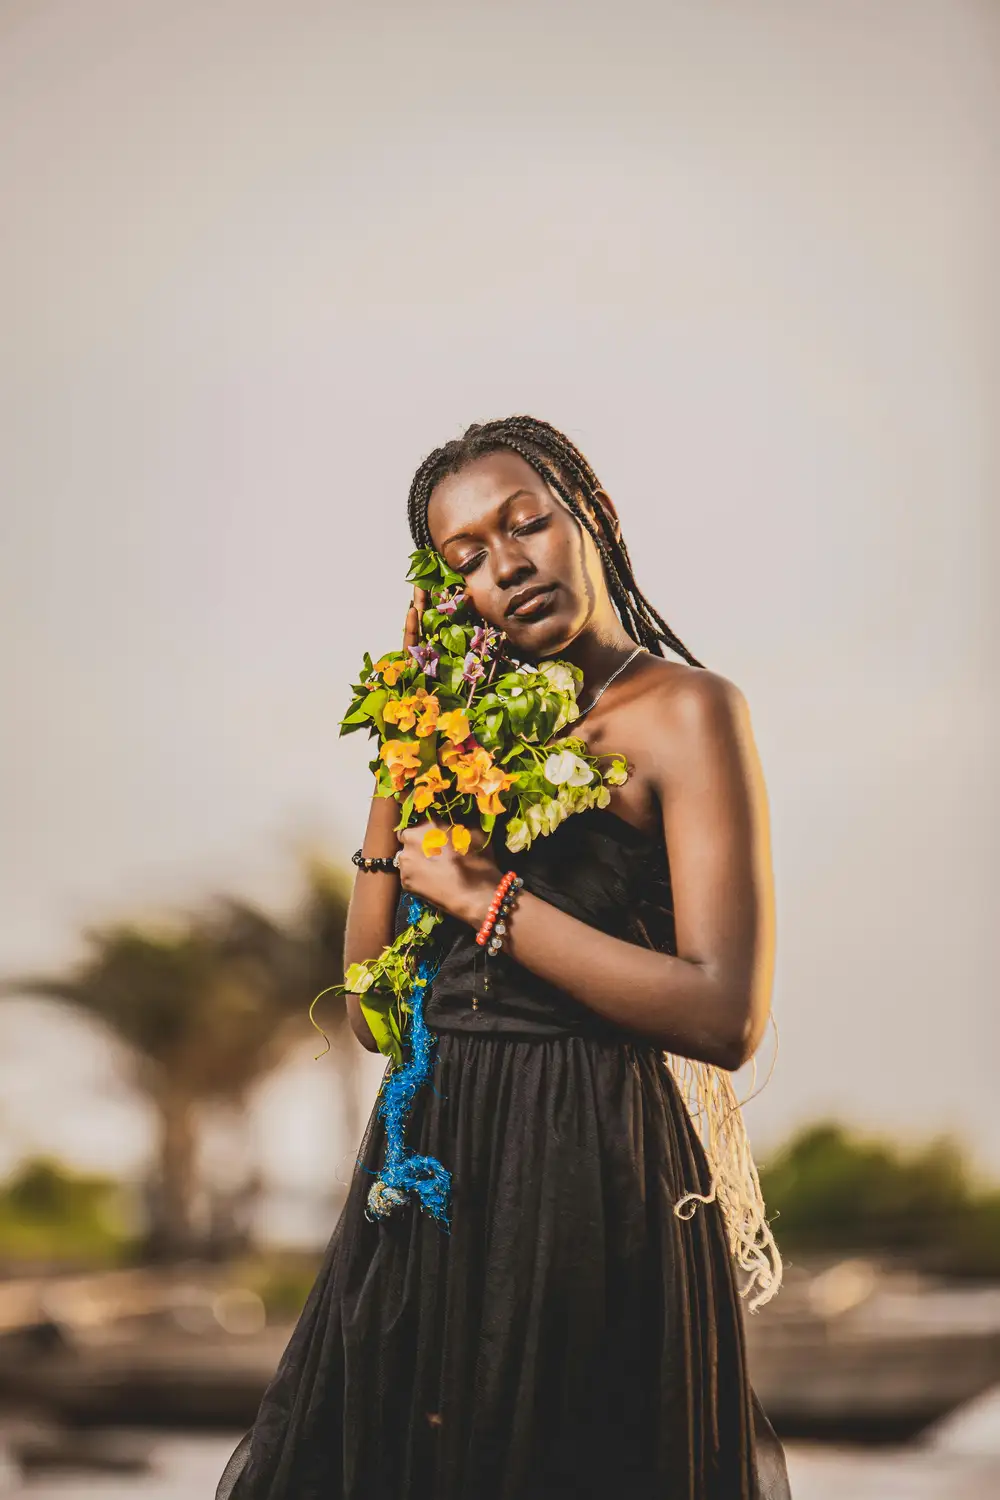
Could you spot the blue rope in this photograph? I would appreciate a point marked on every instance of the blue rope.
(403, 1171)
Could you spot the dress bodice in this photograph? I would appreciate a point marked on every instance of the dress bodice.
(595, 867)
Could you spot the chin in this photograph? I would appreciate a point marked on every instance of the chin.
(549, 638)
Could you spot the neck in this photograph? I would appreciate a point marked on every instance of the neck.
(598, 651)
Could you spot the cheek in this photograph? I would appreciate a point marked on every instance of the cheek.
(485, 603)
(569, 558)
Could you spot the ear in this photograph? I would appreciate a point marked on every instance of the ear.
(604, 500)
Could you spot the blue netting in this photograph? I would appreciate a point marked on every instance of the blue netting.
(404, 1172)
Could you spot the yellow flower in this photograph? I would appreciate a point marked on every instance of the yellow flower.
(401, 712)
(470, 768)
(434, 841)
(427, 786)
(461, 838)
(429, 708)
(477, 775)
(390, 670)
(488, 791)
(454, 726)
(403, 759)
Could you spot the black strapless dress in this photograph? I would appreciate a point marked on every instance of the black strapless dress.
(570, 1337)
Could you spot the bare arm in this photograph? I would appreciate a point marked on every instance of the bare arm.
(372, 911)
(711, 1001)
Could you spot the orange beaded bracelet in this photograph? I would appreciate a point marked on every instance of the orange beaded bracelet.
(499, 898)
(491, 933)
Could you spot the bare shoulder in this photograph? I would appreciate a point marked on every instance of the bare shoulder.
(690, 702)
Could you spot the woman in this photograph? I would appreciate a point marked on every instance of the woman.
(572, 1334)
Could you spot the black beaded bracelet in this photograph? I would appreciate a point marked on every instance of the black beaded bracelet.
(373, 864)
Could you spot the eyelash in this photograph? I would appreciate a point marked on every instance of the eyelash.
(538, 524)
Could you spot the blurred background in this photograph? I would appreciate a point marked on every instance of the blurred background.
(257, 259)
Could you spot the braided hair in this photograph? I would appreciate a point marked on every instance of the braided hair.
(708, 1092)
(560, 464)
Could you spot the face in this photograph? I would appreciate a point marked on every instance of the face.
(529, 566)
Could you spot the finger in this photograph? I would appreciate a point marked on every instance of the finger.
(411, 630)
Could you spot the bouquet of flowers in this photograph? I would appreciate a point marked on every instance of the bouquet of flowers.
(466, 736)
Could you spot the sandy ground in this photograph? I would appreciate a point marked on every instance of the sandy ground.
(186, 1468)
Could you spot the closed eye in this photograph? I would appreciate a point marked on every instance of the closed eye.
(538, 524)
(469, 565)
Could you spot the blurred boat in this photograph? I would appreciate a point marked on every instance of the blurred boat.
(848, 1353)
(858, 1354)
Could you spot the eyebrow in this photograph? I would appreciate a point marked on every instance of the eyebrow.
(461, 535)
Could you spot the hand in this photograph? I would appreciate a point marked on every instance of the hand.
(460, 884)
(411, 630)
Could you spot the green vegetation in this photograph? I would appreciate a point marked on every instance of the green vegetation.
(829, 1189)
(51, 1215)
(206, 1009)
(282, 1280)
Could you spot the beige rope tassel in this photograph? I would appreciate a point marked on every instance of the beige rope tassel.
(711, 1101)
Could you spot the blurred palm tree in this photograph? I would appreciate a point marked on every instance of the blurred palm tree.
(205, 1011)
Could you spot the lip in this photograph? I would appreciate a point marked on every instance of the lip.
(528, 602)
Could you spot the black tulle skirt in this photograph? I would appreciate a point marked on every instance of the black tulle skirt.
(569, 1337)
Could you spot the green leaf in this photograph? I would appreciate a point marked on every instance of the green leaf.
(451, 676)
(373, 706)
(358, 979)
(517, 712)
(488, 728)
(455, 639)
(356, 717)
(384, 1029)
(428, 751)
(425, 566)
(404, 816)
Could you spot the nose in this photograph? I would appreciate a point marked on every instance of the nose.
(511, 564)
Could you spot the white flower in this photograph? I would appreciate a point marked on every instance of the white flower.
(567, 713)
(558, 767)
(535, 819)
(617, 775)
(582, 775)
(554, 814)
(518, 835)
(559, 675)
(563, 765)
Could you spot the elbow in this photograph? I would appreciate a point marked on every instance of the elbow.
(731, 1055)
(365, 1037)
(738, 1042)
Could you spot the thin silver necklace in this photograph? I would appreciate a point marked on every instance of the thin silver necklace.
(602, 690)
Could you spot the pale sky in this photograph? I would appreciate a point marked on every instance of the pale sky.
(257, 259)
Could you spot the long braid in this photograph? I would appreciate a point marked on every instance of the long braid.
(707, 1092)
(560, 464)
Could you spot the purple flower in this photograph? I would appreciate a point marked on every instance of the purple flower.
(448, 606)
(479, 641)
(426, 658)
(472, 668)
